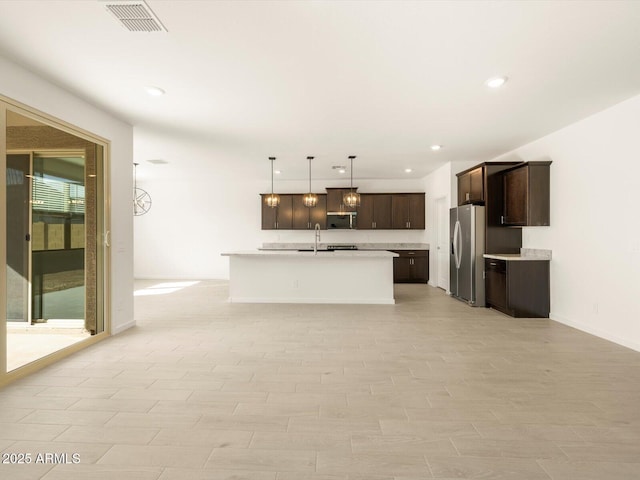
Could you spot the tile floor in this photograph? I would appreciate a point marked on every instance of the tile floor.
(428, 388)
(26, 344)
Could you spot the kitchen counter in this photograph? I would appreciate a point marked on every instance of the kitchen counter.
(289, 276)
(322, 253)
(360, 246)
(526, 254)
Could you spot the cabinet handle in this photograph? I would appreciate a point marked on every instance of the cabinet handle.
(411, 253)
(467, 196)
(502, 219)
(409, 223)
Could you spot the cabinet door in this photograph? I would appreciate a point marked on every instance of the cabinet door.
(420, 269)
(464, 188)
(476, 185)
(318, 214)
(365, 212)
(401, 269)
(516, 186)
(285, 213)
(496, 283)
(269, 215)
(400, 212)
(334, 200)
(471, 187)
(382, 212)
(300, 219)
(416, 211)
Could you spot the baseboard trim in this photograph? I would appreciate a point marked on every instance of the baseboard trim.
(123, 327)
(595, 331)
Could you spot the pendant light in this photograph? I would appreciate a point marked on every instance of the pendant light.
(272, 200)
(351, 199)
(141, 199)
(310, 199)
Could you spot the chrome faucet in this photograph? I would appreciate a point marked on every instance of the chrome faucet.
(317, 238)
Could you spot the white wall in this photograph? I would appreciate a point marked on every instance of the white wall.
(441, 183)
(595, 226)
(31, 90)
(199, 213)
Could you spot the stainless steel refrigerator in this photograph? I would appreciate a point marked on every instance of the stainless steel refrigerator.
(467, 246)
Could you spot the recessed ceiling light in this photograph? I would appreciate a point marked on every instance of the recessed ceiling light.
(408, 170)
(496, 82)
(340, 168)
(435, 148)
(277, 172)
(155, 91)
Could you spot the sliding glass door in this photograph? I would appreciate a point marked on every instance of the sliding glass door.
(18, 218)
(55, 239)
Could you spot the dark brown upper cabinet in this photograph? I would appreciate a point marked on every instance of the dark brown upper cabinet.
(280, 217)
(334, 200)
(305, 218)
(471, 186)
(374, 212)
(497, 238)
(526, 195)
(407, 211)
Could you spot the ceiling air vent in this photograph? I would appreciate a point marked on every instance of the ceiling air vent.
(135, 16)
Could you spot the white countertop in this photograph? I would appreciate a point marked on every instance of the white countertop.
(526, 254)
(360, 245)
(320, 254)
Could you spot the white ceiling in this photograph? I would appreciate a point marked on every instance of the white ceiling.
(382, 80)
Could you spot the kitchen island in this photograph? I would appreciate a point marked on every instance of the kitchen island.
(288, 276)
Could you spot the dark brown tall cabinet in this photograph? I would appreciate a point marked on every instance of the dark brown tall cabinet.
(526, 199)
(374, 212)
(408, 211)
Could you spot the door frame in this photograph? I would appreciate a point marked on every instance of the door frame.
(442, 227)
(104, 252)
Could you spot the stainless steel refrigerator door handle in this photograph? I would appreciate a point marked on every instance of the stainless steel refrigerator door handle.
(456, 236)
(460, 252)
(107, 238)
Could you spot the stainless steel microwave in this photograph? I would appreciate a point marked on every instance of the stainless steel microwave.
(345, 220)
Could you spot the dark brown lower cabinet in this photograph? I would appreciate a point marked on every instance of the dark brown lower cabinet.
(412, 266)
(519, 288)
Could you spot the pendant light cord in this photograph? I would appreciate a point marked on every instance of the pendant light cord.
(272, 159)
(351, 187)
